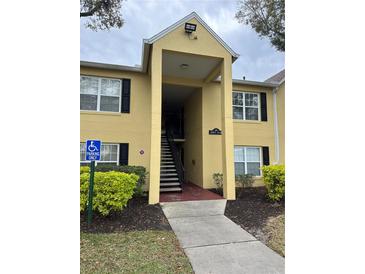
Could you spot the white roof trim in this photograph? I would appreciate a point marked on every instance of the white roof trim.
(110, 66)
(184, 20)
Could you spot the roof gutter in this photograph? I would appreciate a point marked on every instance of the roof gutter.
(110, 66)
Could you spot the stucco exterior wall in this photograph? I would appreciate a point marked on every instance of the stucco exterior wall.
(212, 144)
(193, 158)
(132, 128)
(205, 44)
(256, 133)
(207, 108)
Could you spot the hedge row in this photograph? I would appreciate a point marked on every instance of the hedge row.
(138, 170)
(112, 190)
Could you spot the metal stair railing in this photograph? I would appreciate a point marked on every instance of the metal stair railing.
(176, 156)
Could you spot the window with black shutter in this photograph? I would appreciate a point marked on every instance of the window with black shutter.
(123, 154)
(263, 104)
(265, 156)
(126, 96)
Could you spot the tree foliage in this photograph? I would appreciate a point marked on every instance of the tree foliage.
(266, 17)
(102, 14)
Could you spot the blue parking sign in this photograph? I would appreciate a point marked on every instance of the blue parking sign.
(93, 150)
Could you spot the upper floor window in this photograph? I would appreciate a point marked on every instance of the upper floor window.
(245, 105)
(100, 94)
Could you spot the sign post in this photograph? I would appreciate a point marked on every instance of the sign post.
(92, 154)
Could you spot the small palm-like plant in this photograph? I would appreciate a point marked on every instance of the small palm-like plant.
(218, 180)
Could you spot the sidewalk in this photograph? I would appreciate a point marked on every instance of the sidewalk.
(215, 244)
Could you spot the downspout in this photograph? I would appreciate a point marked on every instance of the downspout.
(276, 128)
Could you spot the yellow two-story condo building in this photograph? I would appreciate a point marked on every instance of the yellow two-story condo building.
(181, 115)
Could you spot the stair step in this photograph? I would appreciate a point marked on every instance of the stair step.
(169, 179)
(170, 189)
(165, 166)
(169, 184)
(168, 170)
(168, 174)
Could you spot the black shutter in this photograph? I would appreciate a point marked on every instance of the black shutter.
(123, 154)
(265, 156)
(126, 96)
(263, 106)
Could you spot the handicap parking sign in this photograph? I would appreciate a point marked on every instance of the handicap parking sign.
(93, 150)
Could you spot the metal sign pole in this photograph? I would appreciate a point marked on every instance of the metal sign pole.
(91, 193)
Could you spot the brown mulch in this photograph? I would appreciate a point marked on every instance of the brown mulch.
(138, 215)
(252, 211)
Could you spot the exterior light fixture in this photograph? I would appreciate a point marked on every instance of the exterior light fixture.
(184, 66)
(189, 28)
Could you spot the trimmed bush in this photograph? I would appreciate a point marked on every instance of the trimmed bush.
(84, 169)
(138, 170)
(274, 179)
(112, 191)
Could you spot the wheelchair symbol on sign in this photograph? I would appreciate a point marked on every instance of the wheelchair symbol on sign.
(92, 147)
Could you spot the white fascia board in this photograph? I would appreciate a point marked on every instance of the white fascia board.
(184, 20)
(110, 66)
(254, 83)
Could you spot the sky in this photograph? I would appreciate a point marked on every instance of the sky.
(144, 18)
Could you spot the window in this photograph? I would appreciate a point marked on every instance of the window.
(245, 105)
(109, 153)
(100, 94)
(247, 160)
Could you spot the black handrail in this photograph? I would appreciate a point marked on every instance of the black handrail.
(176, 156)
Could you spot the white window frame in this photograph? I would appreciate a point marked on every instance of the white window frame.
(244, 105)
(245, 161)
(99, 94)
(111, 162)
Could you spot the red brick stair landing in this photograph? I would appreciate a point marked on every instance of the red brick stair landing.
(190, 192)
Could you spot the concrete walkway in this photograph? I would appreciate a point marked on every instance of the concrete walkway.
(215, 244)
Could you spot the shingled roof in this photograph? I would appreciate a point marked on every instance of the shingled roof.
(277, 78)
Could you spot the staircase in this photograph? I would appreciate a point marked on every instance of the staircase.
(169, 179)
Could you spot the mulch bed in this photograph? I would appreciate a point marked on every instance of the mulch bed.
(252, 210)
(138, 215)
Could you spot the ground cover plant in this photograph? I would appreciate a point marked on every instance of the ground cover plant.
(259, 216)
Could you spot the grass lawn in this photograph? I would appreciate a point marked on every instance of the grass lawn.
(275, 229)
(146, 251)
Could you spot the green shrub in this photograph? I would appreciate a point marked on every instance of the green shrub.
(274, 179)
(112, 191)
(245, 180)
(138, 170)
(84, 169)
(218, 180)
